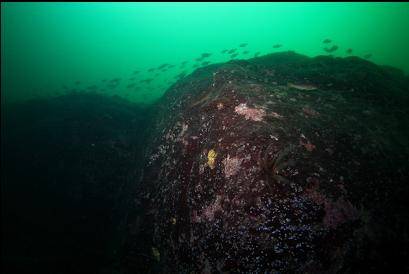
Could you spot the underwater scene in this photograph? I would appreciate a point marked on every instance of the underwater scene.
(204, 137)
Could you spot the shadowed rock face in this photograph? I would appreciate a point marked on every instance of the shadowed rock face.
(279, 164)
(68, 166)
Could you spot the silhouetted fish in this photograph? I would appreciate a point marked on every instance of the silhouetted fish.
(104, 80)
(180, 75)
(151, 69)
(163, 66)
(256, 54)
(242, 45)
(331, 49)
(276, 46)
(156, 75)
(171, 66)
(199, 59)
(245, 52)
(327, 41)
(231, 51)
(148, 80)
(132, 78)
(205, 63)
(195, 66)
(116, 80)
(206, 55)
(130, 86)
(224, 51)
(348, 51)
(367, 56)
(136, 72)
(183, 63)
(77, 82)
(233, 55)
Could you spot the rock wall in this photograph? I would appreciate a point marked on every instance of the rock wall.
(280, 164)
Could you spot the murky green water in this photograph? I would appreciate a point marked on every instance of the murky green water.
(49, 49)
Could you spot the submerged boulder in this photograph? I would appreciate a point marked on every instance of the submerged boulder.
(68, 166)
(278, 164)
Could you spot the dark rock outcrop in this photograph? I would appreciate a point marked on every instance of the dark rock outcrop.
(280, 164)
(68, 166)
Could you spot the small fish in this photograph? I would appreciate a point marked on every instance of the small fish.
(104, 80)
(224, 51)
(233, 55)
(195, 66)
(136, 72)
(206, 55)
(93, 87)
(245, 52)
(184, 63)
(327, 41)
(302, 86)
(256, 54)
(367, 56)
(199, 59)
(146, 80)
(116, 80)
(276, 46)
(132, 78)
(231, 51)
(77, 82)
(156, 75)
(205, 63)
(348, 51)
(162, 66)
(242, 45)
(130, 86)
(180, 75)
(171, 66)
(331, 49)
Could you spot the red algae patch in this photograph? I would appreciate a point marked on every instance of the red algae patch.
(254, 114)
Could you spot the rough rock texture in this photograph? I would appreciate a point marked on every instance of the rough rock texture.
(68, 166)
(310, 173)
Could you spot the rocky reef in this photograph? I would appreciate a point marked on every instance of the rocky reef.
(277, 164)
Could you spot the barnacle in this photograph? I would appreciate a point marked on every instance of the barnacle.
(211, 158)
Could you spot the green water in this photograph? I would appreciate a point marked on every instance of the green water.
(47, 47)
